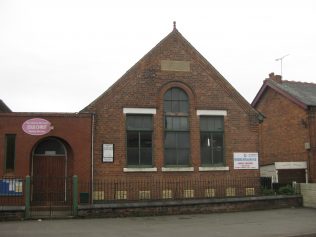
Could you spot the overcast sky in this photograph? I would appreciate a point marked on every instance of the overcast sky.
(60, 55)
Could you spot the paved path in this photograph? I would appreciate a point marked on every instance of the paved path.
(281, 222)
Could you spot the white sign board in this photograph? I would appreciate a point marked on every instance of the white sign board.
(108, 153)
(246, 161)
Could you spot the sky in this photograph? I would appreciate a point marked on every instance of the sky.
(60, 55)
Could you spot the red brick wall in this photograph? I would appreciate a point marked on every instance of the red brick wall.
(143, 86)
(73, 129)
(283, 133)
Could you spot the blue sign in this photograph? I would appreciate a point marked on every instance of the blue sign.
(11, 187)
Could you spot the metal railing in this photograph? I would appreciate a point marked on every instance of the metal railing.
(153, 189)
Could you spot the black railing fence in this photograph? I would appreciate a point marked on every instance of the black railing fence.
(111, 190)
(122, 189)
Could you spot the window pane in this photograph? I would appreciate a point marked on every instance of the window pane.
(146, 156)
(10, 151)
(217, 148)
(168, 123)
(132, 139)
(206, 155)
(183, 95)
(183, 140)
(168, 95)
(183, 156)
(170, 157)
(184, 106)
(170, 140)
(145, 139)
(133, 156)
(184, 123)
(139, 122)
(175, 106)
(176, 123)
(147, 122)
(211, 123)
(212, 148)
(176, 93)
(167, 106)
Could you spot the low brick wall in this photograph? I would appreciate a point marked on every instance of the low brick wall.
(189, 206)
(308, 191)
(8, 213)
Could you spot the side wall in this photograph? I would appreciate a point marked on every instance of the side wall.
(284, 130)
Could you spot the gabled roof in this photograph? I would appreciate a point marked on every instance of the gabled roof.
(301, 93)
(4, 108)
(230, 90)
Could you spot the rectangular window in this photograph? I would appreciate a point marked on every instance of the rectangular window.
(9, 152)
(139, 140)
(212, 140)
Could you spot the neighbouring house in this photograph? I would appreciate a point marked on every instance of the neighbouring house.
(173, 116)
(287, 135)
(4, 108)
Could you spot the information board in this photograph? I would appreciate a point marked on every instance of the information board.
(246, 161)
(108, 153)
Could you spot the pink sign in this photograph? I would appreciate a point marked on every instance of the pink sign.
(37, 126)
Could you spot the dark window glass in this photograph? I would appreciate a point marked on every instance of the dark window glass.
(176, 101)
(9, 151)
(50, 145)
(177, 148)
(176, 123)
(177, 138)
(208, 123)
(212, 140)
(139, 140)
(139, 122)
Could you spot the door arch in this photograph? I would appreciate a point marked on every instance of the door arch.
(49, 172)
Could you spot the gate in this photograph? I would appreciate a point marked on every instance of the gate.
(51, 197)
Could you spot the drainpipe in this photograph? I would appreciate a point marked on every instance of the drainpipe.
(92, 157)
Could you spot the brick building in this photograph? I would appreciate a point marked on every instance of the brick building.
(172, 115)
(287, 135)
(47, 146)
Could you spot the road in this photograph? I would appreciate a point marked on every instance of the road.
(279, 222)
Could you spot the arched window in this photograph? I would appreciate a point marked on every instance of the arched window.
(177, 136)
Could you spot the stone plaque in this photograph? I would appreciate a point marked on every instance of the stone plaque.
(172, 65)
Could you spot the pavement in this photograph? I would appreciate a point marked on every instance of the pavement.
(279, 222)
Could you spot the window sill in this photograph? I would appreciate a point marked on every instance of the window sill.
(153, 169)
(177, 169)
(219, 168)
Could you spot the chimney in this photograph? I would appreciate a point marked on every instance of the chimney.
(276, 78)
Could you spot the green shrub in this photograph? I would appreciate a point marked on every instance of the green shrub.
(286, 190)
(267, 191)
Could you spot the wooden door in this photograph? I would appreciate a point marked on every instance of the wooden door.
(49, 179)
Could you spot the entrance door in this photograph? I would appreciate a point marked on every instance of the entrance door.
(49, 173)
(49, 179)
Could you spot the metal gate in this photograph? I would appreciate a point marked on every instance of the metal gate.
(51, 197)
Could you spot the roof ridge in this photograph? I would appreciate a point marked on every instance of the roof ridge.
(303, 82)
